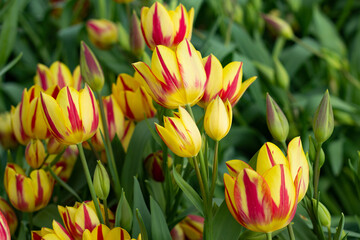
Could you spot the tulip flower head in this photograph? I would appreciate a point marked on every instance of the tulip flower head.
(154, 165)
(191, 227)
(218, 118)
(137, 42)
(132, 97)
(73, 116)
(27, 194)
(102, 33)
(168, 28)
(4, 228)
(9, 215)
(265, 200)
(180, 134)
(35, 153)
(224, 82)
(176, 77)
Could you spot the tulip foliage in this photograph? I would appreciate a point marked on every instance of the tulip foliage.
(181, 120)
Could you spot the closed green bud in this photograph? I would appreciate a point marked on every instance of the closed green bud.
(276, 120)
(323, 123)
(279, 26)
(281, 75)
(124, 216)
(323, 213)
(91, 71)
(101, 181)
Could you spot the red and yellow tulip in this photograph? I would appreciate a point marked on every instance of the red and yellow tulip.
(4, 228)
(9, 215)
(218, 119)
(190, 228)
(58, 74)
(176, 77)
(7, 136)
(27, 194)
(132, 97)
(154, 165)
(162, 27)
(265, 200)
(224, 82)
(73, 116)
(35, 153)
(102, 33)
(180, 134)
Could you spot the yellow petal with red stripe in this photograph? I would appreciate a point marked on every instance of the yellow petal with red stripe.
(85, 218)
(232, 80)
(117, 233)
(99, 232)
(235, 166)
(60, 231)
(297, 160)
(42, 188)
(21, 192)
(77, 80)
(61, 74)
(269, 155)
(229, 183)
(43, 77)
(89, 112)
(4, 228)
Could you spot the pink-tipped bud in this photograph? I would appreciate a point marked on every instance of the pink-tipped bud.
(137, 42)
(279, 26)
(276, 120)
(154, 165)
(90, 68)
(102, 33)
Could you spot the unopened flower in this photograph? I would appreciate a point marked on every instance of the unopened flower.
(276, 120)
(191, 227)
(102, 33)
(323, 124)
(35, 153)
(154, 165)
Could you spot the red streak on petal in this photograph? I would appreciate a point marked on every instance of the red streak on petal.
(76, 123)
(128, 111)
(188, 47)
(42, 78)
(100, 233)
(144, 35)
(21, 204)
(231, 168)
(36, 236)
(122, 234)
(33, 119)
(60, 76)
(32, 94)
(125, 86)
(269, 153)
(230, 90)
(157, 34)
(147, 105)
(110, 116)
(179, 36)
(170, 80)
(22, 132)
(90, 61)
(52, 126)
(233, 207)
(95, 122)
(283, 209)
(181, 134)
(127, 127)
(40, 193)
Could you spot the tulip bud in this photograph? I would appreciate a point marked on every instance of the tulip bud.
(177, 233)
(276, 120)
(101, 181)
(7, 137)
(323, 214)
(126, 216)
(90, 68)
(102, 33)
(54, 147)
(279, 26)
(154, 165)
(137, 42)
(312, 152)
(193, 227)
(35, 153)
(323, 123)
(281, 75)
(218, 118)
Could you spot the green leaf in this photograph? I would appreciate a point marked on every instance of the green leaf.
(156, 190)
(159, 227)
(45, 217)
(70, 43)
(134, 157)
(340, 228)
(336, 150)
(225, 223)
(3, 162)
(8, 66)
(189, 192)
(140, 205)
(144, 234)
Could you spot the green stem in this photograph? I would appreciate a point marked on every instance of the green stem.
(329, 233)
(228, 32)
(291, 231)
(108, 149)
(308, 47)
(102, 9)
(317, 170)
(64, 184)
(283, 144)
(268, 236)
(89, 182)
(215, 169)
(106, 213)
(30, 221)
(201, 184)
(167, 182)
(93, 149)
(279, 45)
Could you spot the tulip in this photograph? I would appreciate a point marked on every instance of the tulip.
(102, 33)
(154, 165)
(35, 153)
(7, 136)
(126, 216)
(168, 28)
(129, 128)
(4, 228)
(175, 78)
(180, 134)
(27, 194)
(9, 215)
(81, 217)
(265, 200)
(276, 120)
(132, 97)
(218, 118)
(323, 124)
(91, 70)
(224, 82)
(191, 227)
(279, 26)
(73, 117)
(101, 181)
(137, 42)
(58, 74)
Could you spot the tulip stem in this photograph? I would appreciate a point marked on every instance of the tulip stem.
(291, 231)
(102, 9)
(90, 183)
(201, 184)
(268, 236)
(106, 213)
(64, 184)
(108, 149)
(167, 182)
(215, 169)
(317, 170)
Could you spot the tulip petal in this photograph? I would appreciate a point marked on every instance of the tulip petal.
(232, 79)
(229, 183)
(297, 160)
(42, 187)
(117, 233)
(269, 156)
(236, 166)
(181, 23)
(61, 231)
(99, 232)
(88, 112)
(20, 192)
(61, 74)
(85, 218)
